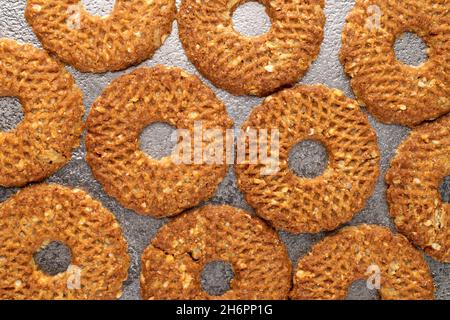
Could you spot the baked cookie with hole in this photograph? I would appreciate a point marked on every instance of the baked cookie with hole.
(251, 65)
(394, 92)
(387, 261)
(300, 204)
(53, 110)
(129, 35)
(37, 215)
(414, 178)
(165, 187)
(173, 263)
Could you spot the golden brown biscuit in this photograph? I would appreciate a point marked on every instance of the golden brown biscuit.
(394, 92)
(53, 109)
(153, 187)
(363, 252)
(298, 204)
(172, 264)
(251, 65)
(40, 214)
(421, 164)
(130, 35)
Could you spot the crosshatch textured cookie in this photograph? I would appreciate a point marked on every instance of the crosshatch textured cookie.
(53, 109)
(154, 187)
(363, 252)
(38, 215)
(421, 164)
(298, 204)
(394, 92)
(173, 263)
(129, 35)
(251, 65)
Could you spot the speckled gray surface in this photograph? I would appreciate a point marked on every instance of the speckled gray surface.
(308, 159)
(249, 19)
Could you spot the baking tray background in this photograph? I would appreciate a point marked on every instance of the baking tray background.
(138, 229)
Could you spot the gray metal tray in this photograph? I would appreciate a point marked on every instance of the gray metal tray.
(138, 229)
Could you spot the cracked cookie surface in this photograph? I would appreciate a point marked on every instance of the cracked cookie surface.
(172, 264)
(53, 109)
(419, 167)
(38, 215)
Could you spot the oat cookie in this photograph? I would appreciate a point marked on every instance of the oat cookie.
(40, 214)
(392, 91)
(421, 164)
(173, 263)
(364, 252)
(128, 36)
(154, 187)
(53, 109)
(251, 65)
(298, 204)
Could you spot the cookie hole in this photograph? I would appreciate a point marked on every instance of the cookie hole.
(410, 49)
(99, 8)
(216, 278)
(11, 113)
(308, 159)
(157, 141)
(250, 19)
(359, 291)
(445, 189)
(54, 258)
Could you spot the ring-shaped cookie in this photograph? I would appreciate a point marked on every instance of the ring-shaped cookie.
(53, 109)
(173, 263)
(251, 65)
(38, 215)
(387, 261)
(298, 204)
(153, 187)
(416, 173)
(129, 35)
(392, 91)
